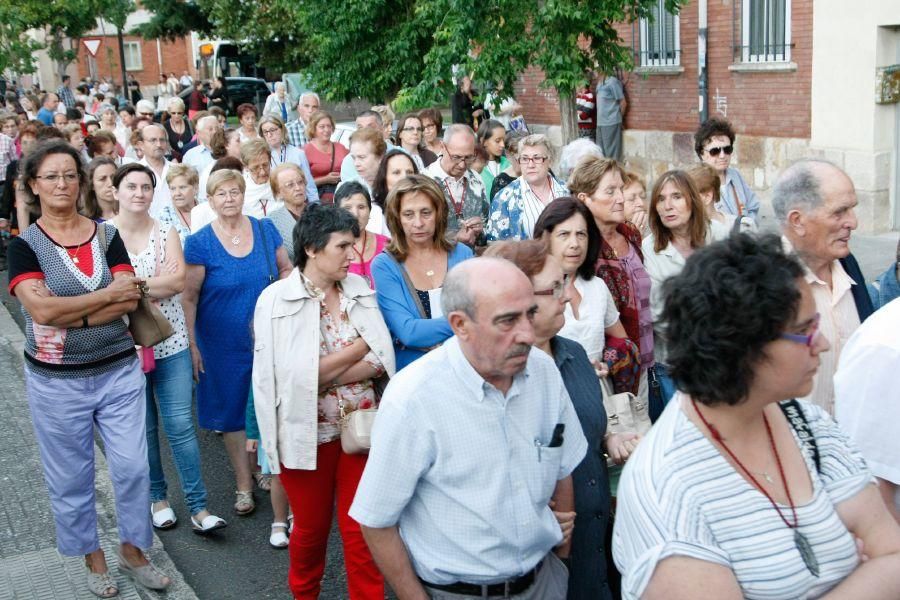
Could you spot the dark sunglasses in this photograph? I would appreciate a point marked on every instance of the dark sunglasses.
(718, 149)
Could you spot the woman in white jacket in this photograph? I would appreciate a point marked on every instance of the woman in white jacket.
(320, 345)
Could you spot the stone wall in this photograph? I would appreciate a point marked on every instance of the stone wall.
(761, 159)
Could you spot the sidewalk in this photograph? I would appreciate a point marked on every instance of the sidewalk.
(30, 567)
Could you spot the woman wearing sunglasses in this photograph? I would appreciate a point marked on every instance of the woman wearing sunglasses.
(714, 144)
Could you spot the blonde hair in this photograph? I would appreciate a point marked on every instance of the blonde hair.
(386, 114)
(252, 149)
(177, 103)
(539, 139)
(219, 178)
(314, 119)
(182, 170)
(285, 166)
(706, 179)
(588, 173)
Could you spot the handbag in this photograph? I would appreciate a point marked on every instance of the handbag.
(147, 324)
(356, 428)
(625, 412)
(327, 190)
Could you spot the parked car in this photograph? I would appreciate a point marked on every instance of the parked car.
(342, 132)
(240, 90)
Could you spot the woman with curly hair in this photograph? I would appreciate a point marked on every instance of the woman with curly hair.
(738, 491)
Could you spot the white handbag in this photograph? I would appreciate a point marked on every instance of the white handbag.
(625, 412)
(356, 429)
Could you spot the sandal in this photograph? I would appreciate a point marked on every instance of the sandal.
(164, 518)
(208, 524)
(146, 575)
(101, 585)
(279, 539)
(263, 481)
(290, 528)
(245, 503)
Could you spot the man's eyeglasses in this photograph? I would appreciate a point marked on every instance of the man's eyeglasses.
(455, 159)
(419, 129)
(809, 339)
(537, 160)
(719, 149)
(53, 178)
(557, 291)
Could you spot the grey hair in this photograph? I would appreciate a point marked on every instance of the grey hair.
(573, 152)
(456, 128)
(456, 293)
(309, 95)
(207, 119)
(798, 187)
(539, 139)
(371, 113)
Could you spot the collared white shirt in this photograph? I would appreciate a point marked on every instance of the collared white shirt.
(198, 157)
(162, 196)
(867, 397)
(467, 190)
(839, 319)
(465, 470)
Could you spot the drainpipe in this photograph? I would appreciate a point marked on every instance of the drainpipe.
(702, 83)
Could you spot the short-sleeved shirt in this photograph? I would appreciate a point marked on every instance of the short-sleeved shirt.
(321, 163)
(609, 94)
(465, 470)
(71, 271)
(596, 312)
(516, 208)
(678, 496)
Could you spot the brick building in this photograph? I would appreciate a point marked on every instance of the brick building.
(145, 59)
(764, 60)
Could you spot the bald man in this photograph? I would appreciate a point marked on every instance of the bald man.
(472, 442)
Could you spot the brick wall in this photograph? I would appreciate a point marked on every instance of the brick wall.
(176, 56)
(757, 103)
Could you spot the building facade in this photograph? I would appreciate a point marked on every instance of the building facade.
(791, 79)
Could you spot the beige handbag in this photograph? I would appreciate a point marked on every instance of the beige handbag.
(356, 428)
(625, 412)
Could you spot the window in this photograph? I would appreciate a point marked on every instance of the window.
(133, 56)
(660, 39)
(766, 31)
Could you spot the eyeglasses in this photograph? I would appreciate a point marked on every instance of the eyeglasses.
(557, 291)
(455, 158)
(431, 126)
(807, 340)
(53, 178)
(234, 194)
(419, 129)
(174, 112)
(146, 114)
(268, 132)
(719, 149)
(295, 184)
(537, 160)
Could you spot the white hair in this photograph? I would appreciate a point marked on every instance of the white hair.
(309, 95)
(208, 118)
(573, 152)
(145, 106)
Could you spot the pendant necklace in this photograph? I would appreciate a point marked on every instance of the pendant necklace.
(803, 546)
(74, 255)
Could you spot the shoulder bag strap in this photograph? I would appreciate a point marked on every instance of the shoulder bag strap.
(101, 237)
(333, 152)
(262, 231)
(412, 291)
(157, 245)
(797, 419)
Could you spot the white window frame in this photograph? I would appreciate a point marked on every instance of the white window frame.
(130, 65)
(646, 25)
(770, 57)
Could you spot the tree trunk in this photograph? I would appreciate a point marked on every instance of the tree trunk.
(567, 117)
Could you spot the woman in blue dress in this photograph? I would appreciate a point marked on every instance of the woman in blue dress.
(229, 263)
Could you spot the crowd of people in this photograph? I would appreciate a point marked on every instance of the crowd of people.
(493, 300)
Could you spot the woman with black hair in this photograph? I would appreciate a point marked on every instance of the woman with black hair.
(354, 197)
(218, 95)
(739, 491)
(395, 165)
(331, 319)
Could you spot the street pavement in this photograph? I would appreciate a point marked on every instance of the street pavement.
(236, 563)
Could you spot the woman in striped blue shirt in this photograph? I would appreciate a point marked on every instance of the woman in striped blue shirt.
(738, 492)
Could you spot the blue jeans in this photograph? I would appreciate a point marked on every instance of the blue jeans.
(662, 388)
(172, 385)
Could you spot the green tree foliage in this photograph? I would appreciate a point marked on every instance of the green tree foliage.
(173, 19)
(16, 49)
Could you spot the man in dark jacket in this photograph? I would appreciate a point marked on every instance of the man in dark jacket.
(814, 201)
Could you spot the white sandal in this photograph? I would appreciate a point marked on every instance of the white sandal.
(164, 518)
(209, 524)
(279, 539)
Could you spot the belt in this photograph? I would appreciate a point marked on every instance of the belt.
(504, 589)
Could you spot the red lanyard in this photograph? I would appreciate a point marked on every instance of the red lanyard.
(263, 203)
(457, 206)
(362, 260)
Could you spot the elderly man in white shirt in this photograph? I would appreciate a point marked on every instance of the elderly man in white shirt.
(867, 398)
(201, 155)
(467, 205)
(814, 203)
(154, 144)
(455, 496)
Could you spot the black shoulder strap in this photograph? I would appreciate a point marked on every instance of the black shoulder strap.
(797, 420)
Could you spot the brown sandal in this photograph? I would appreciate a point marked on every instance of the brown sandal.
(244, 505)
